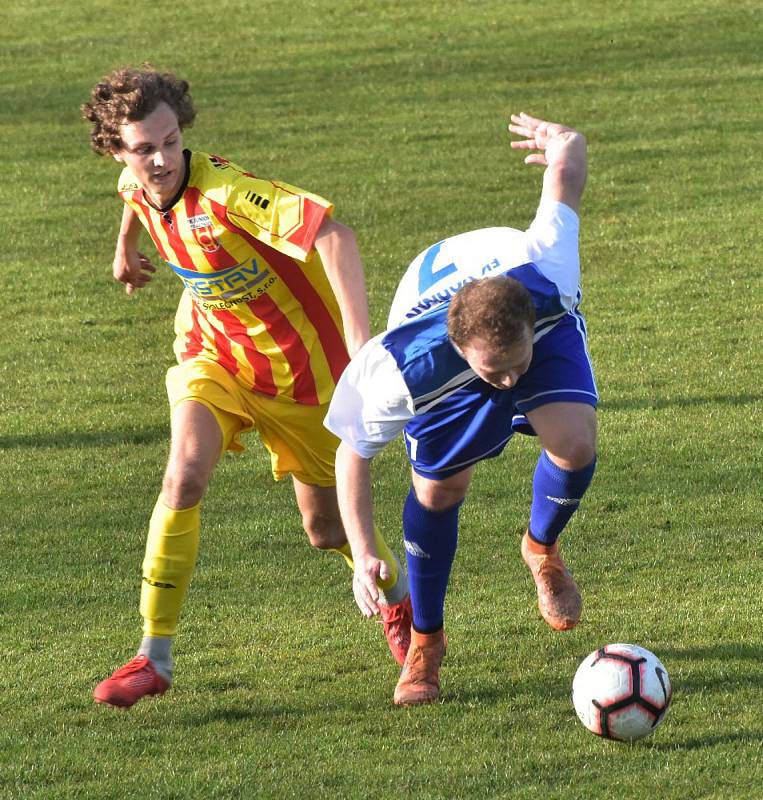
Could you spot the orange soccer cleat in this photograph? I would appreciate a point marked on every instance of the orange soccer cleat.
(420, 679)
(559, 599)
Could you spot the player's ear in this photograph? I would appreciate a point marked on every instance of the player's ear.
(117, 156)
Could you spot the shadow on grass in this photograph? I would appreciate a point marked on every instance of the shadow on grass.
(78, 439)
(502, 687)
(476, 695)
(753, 737)
(283, 715)
(657, 403)
(725, 651)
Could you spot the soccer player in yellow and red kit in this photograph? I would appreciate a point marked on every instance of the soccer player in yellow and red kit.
(272, 308)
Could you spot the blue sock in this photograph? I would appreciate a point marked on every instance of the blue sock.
(430, 539)
(557, 494)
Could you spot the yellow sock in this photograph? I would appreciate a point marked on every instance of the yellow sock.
(171, 548)
(346, 552)
(384, 553)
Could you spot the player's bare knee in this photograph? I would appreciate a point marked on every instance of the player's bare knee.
(434, 497)
(183, 488)
(575, 454)
(323, 531)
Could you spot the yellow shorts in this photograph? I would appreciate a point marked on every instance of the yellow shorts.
(294, 434)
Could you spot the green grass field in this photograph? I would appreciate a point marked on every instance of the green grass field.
(397, 112)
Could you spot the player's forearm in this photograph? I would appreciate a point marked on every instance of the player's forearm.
(339, 252)
(129, 229)
(565, 176)
(353, 485)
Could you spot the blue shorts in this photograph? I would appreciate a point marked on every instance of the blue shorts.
(477, 421)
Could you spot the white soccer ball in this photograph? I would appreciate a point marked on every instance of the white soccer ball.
(621, 691)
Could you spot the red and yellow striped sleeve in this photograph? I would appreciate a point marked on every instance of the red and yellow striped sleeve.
(277, 214)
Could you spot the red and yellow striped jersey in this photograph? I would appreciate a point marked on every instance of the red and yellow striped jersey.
(257, 299)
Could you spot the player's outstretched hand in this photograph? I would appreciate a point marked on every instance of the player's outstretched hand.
(367, 571)
(133, 269)
(550, 138)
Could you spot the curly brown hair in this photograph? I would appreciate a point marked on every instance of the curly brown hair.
(129, 94)
(499, 310)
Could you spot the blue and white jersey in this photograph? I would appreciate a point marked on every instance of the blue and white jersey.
(411, 367)
(550, 245)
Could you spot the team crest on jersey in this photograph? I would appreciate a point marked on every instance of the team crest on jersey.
(205, 238)
(204, 233)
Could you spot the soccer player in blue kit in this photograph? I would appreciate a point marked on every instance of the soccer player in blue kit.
(484, 339)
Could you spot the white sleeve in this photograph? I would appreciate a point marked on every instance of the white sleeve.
(371, 403)
(552, 245)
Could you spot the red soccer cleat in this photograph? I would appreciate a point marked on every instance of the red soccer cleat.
(397, 620)
(138, 678)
